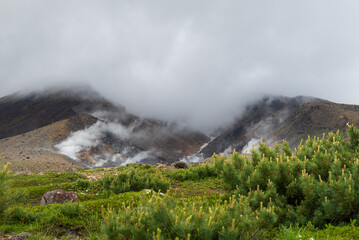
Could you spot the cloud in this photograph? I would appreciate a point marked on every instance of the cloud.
(191, 61)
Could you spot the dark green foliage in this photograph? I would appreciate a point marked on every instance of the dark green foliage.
(82, 184)
(135, 180)
(318, 182)
(46, 179)
(309, 232)
(194, 172)
(205, 187)
(56, 219)
(7, 197)
(271, 193)
(168, 218)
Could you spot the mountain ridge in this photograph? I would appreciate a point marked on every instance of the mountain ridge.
(79, 128)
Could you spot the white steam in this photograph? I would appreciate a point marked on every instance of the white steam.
(228, 150)
(197, 157)
(82, 140)
(253, 143)
(137, 158)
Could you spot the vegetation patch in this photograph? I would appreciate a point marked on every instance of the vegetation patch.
(272, 193)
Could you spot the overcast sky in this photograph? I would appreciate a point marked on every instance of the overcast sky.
(199, 61)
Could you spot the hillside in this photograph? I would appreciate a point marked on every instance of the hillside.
(34, 151)
(61, 129)
(309, 193)
(280, 118)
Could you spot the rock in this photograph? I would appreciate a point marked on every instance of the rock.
(58, 196)
(20, 236)
(160, 165)
(179, 164)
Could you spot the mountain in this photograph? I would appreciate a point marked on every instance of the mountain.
(61, 129)
(275, 119)
(64, 129)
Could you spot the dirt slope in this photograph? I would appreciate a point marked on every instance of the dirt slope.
(33, 151)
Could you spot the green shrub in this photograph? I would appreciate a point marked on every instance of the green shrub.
(21, 215)
(46, 179)
(167, 218)
(318, 182)
(82, 184)
(134, 180)
(7, 197)
(194, 172)
(309, 233)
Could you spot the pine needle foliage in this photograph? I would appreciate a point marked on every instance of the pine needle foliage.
(7, 197)
(194, 172)
(134, 180)
(318, 182)
(163, 217)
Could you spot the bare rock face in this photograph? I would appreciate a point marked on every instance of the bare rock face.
(179, 164)
(58, 196)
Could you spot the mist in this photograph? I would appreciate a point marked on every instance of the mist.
(198, 63)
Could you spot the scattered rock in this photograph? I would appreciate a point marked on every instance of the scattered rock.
(58, 196)
(179, 164)
(147, 191)
(20, 236)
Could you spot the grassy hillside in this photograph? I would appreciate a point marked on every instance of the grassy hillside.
(273, 193)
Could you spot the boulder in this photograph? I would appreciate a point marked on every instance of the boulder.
(58, 196)
(170, 168)
(179, 164)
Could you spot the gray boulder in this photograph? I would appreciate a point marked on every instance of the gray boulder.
(179, 164)
(58, 196)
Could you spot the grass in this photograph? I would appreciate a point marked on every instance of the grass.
(330, 232)
(84, 220)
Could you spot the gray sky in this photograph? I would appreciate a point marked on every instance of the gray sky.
(198, 61)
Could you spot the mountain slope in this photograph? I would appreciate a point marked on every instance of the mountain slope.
(33, 151)
(84, 129)
(280, 118)
(23, 112)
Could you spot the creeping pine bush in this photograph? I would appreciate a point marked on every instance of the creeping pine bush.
(7, 197)
(318, 182)
(168, 218)
(134, 180)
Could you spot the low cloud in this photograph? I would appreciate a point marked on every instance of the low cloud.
(188, 61)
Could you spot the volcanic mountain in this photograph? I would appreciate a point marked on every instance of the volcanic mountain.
(274, 119)
(65, 129)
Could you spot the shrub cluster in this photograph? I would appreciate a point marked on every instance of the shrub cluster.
(56, 219)
(317, 182)
(168, 218)
(135, 180)
(7, 197)
(194, 172)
